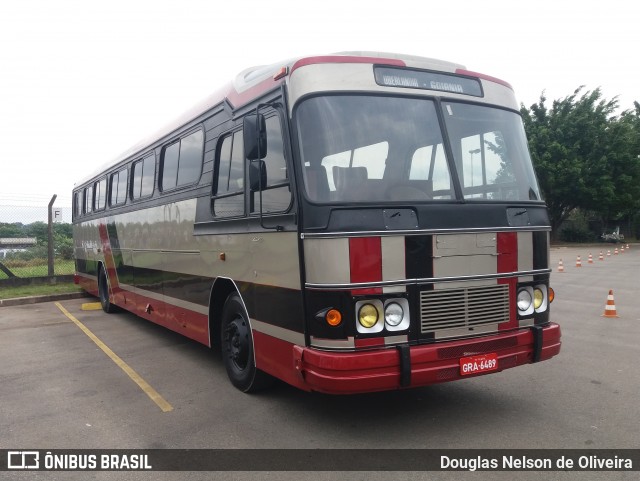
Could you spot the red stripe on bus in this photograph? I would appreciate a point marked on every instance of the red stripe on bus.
(507, 246)
(370, 342)
(186, 322)
(365, 262)
(346, 59)
(238, 99)
(109, 262)
(482, 76)
(277, 357)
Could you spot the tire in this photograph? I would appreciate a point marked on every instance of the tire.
(103, 292)
(237, 348)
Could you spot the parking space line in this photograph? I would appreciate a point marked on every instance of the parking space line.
(135, 377)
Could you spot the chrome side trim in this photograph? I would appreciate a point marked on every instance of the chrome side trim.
(319, 342)
(317, 235)
(426, 280)
(391, 340)
(278, 332)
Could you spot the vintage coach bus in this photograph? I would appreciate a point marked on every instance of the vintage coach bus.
(346, 223)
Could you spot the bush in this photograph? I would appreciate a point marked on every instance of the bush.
(575, 232)
(63, 247)
(33, 262)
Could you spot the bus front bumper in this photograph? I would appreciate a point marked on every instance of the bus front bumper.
(420, 365)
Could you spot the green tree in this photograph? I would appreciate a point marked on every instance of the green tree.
(623, 167)
(11, 230)
(39, 230)
(572, 151)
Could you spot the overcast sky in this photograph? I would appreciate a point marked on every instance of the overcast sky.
(80, 81)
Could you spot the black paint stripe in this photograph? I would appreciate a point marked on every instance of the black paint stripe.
(540, 250)
(419, 256)
(278, 306)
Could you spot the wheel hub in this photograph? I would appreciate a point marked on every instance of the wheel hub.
(238, 343)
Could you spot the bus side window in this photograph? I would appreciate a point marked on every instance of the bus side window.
(77, 205)
(88, 199)
(228, 197)
(118, 188)
(276, 195)
(144, 174)
(182, 161)
(100, 195)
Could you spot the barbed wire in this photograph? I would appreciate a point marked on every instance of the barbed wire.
(22, 198)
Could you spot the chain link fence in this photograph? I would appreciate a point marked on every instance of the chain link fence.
(25, 233)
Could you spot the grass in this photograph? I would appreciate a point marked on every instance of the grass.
(60, 267)
(42, 290)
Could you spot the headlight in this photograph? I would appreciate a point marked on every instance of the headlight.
(524, 300)
(538, 298)
(396, 314)
(393, 314)
(367, 316)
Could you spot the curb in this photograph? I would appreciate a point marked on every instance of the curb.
(20, 301)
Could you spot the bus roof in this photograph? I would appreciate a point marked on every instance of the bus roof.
(256, 81)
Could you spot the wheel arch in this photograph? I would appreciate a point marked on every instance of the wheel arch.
(221, 289)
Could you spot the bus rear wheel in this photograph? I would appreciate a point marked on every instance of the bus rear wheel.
(103, 292)
(237, 348)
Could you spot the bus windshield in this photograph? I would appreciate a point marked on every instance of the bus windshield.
(373, 149)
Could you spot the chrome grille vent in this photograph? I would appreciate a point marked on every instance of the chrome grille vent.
(463, 308)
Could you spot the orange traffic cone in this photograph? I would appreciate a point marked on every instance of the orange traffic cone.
(560, 266)
(590, 260)
(622, 250)
(601, 256)
(627, 246)
(609, 253)
(610, 308)
(578, 262)
(615, 252)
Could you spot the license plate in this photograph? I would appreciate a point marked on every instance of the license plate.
(478, 364)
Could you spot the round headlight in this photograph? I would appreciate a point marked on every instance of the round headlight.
(368, 315)
(524, 300)
(393, 314)
(538, 298)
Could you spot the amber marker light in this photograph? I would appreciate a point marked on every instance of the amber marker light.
(281, 73)
(333, 317)
(552, 294)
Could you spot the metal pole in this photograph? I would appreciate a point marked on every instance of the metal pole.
(53, 199)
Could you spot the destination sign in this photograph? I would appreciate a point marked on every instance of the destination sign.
(420, 79)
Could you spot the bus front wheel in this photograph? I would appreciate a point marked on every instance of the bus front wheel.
(237, 348)
(103, 292)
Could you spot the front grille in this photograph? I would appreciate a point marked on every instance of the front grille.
(463, 308)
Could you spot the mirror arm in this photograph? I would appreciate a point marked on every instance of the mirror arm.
(277, 228)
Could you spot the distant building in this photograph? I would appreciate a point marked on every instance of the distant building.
(15, 244)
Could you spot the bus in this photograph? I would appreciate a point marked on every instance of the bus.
(345, 223)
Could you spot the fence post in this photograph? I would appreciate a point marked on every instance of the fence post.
(50, 256)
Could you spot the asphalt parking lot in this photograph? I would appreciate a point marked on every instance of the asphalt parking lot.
(58, 389)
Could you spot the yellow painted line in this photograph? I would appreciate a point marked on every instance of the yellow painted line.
(135, 377)
(91, 306)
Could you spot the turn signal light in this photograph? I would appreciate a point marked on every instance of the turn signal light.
(333, 317)
(552, 294)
